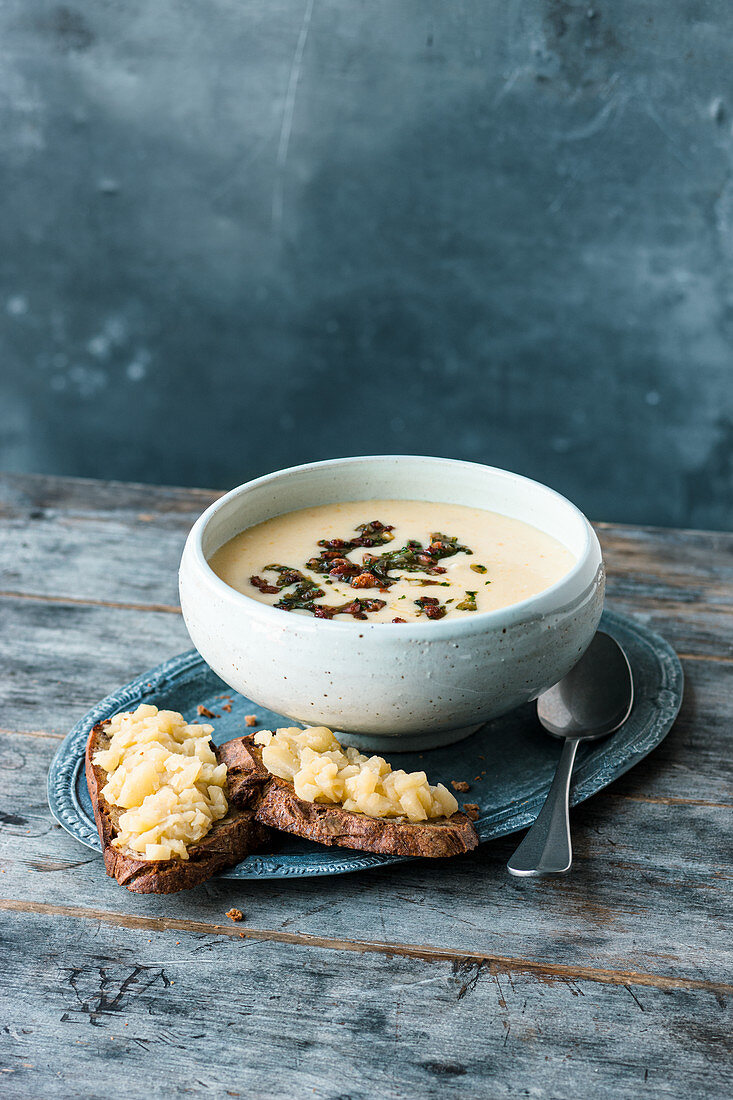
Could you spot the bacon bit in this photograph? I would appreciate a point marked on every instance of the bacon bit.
(399, 620)
(235, 914)
(364, 580)
(460, 785)
(204, 712)
(250, 719)
(430, 606)
(340, 567)
(227, 707)
(264, 586)
(471, 809)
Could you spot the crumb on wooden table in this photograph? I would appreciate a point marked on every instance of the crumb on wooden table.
(204, 712)
(250, 719)
(235, 914)
(460, 785)
(471, 809)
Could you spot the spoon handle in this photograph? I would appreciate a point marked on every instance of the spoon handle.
(547, 848)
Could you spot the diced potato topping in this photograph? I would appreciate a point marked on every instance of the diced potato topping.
(164, 774)
(322, 771)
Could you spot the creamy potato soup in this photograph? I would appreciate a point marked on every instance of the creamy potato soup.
(391, 561)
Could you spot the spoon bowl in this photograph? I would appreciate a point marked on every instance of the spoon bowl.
(595, 697)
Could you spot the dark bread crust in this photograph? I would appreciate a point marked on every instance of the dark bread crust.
(276, 804)
(228, 842)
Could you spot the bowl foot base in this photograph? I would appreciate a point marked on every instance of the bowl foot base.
(409, 742)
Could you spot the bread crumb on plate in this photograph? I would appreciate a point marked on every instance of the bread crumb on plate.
(471, 809)
(235, 914)
(204, 712)
(460, 785)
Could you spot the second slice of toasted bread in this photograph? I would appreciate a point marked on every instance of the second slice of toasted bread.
(228, 841)
(275, 803)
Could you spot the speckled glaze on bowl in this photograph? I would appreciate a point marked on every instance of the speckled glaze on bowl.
(412, 686)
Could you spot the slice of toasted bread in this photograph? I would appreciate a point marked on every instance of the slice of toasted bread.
(275, 803)
(228, 841)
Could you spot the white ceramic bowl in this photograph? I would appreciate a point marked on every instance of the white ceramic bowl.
(417, 685)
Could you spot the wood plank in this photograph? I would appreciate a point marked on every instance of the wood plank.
(622, 908)
(22, 495)
(59, 659)
(499, 963)
(124, 559)
(688, 561)
(694, 630)
(283, 1019)
(93, 540)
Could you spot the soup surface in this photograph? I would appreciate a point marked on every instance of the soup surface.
(391, 561)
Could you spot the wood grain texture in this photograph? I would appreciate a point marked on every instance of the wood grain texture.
(452, 979)
(504, 964)
(284, 1019)
(58, 658)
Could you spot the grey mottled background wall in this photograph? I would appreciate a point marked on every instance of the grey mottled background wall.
(239, 234)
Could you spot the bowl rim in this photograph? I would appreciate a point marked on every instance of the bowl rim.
(533, 607)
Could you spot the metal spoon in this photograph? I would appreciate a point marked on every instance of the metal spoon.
(593, 700)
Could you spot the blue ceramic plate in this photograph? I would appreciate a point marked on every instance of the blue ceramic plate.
(509, 762)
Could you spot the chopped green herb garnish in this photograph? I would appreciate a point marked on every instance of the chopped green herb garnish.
(469, 604)
(287, 576)
(413, 557)
(358, 608)
(301, 599)
(479, 569)
(333, 560)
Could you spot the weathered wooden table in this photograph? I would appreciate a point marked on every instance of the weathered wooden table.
(416, 980)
